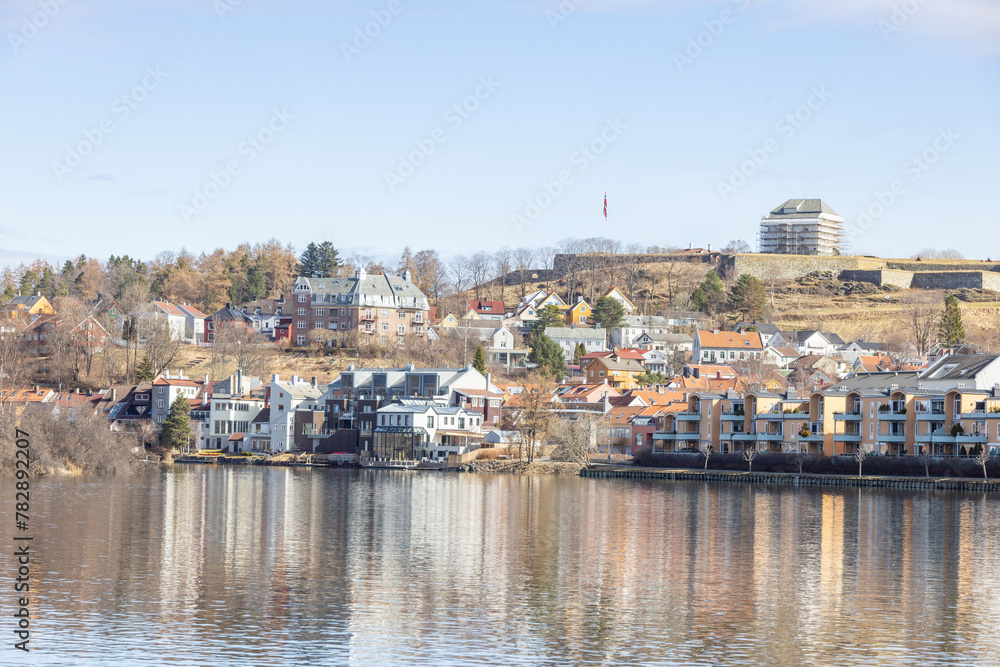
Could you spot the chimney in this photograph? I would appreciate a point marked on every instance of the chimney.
(718, 375)
(710, 247)
(295, 379)
(239, 381)
(114, 394)
(205, 381)
(274, 377)
(313, 381)
(690, 246)
(36, 388)
(229, 304)
(715, 331)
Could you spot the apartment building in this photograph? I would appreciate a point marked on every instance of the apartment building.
(950, 407)
(379, 306)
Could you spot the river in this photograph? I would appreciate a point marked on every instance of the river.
(284, 566)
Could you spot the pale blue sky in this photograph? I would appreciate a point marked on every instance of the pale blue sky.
(209, 79)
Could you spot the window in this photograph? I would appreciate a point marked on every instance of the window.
(402, 329)
(333, 325)
(159, 402)
(302, 312)
(159, 390)
(430, 421)
(343, 312)
(301, 324)
(385, 326)
(302, 298)
(300, 340)
(385, 313)
(871, 409)
(319, 312)
(871, 431)
(347, 325)
(402, 314)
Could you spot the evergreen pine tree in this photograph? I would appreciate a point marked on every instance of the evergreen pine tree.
(175, 431)
(548, 356)
(479, 363)
(144, 373)
(950, 329)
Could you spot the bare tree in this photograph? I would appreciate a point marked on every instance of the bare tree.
(574, 440)
(522, 264)
(503, 259)
(480, 270)
(983, 457)
(158, 342)
(859, 456)
(530, 413)
(749, 455)
(925, 458)
(250, 350)
(920, 318)
(461, 273)
(706, 451)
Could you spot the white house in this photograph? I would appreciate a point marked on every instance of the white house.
(286, 399)
(413, 429)
(194, 323)
(723, 346)
(569, 337)
(635, 325)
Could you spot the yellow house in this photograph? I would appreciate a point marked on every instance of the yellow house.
(619, 373)
(28, 307)
(449, 322)
(551, 299)
(578, 314)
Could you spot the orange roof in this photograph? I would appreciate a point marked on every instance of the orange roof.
(25, 395)
(169, 308)
(710, 384)
(655, 398)
(749, 340)
(630, 354)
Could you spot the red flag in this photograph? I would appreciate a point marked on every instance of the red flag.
(605, 205)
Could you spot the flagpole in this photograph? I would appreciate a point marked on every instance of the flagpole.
(604, 236)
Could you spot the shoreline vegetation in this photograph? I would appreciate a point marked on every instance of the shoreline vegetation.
(71, 445)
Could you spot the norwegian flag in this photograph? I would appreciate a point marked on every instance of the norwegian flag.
(605, 205)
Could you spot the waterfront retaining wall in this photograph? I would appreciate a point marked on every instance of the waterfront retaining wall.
(939, 484)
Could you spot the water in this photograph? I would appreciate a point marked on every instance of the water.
(252, 566)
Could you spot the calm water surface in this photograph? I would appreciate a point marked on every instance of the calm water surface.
(218, 566)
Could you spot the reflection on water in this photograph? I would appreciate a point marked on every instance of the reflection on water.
(296, 566)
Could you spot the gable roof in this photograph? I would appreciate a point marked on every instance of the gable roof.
(802, 208)
(484, 307)
(729, 339)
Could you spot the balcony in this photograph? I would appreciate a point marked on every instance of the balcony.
(847, 437)
(815, 433)
(892, 437)
(665, 435)
(892, 416)
(769, 437)
(929, 415)
(367, 317)
(690, 435)
(847, 416)
(733, 416)
(688, 416)
(771, 414)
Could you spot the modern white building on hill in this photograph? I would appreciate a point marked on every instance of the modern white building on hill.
(801, 227)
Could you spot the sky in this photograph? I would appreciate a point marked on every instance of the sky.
(140, 126)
